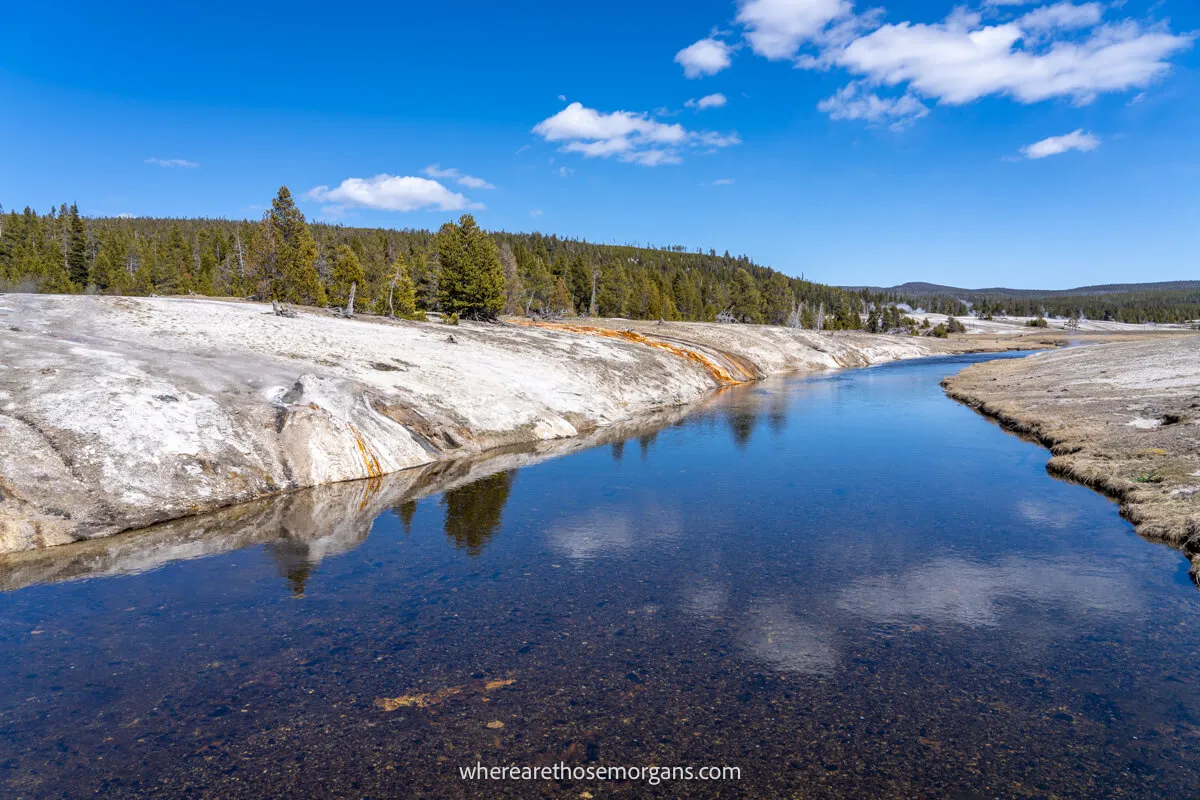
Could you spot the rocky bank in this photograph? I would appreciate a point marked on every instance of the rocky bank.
(118, 413)
(1122, 418)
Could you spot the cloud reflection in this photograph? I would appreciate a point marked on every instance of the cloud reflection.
(772, 633)
(973, 594)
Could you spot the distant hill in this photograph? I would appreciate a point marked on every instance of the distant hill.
(1165, 301)
(921, 289)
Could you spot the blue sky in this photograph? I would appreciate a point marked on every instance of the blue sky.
(1001, 142)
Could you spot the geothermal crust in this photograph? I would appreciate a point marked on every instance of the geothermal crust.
(117, 413)
(1122, 418)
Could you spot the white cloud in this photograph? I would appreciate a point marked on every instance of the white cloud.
(172, 162)
(124, 215)
(392, 193)
(723, 182)
(705, 57)
(1038, 51)
(1061, 16)
(627, 135)
(959, 60)
(853, 101)
(714, 139)
(1056, 145)
(535, 213)
(652, 158)
(565, 172)
(579, 122)
(776, 29)
(469, 181)
(708, 101)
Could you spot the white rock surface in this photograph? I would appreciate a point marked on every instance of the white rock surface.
(116, 413)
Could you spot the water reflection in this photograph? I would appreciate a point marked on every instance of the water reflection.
(474, 512)
(302, 528)
(864, 591)
(405, 513)
(613, 530)
(954, 591)
(774, 634)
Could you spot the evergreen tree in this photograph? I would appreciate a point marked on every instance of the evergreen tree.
(471, 281)
(283, 255)
(347, 272)
(560, 301)
(746, 299)
(403, 294)
(77, 266)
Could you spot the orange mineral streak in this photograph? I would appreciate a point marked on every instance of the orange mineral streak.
(718, 373)
(370, 460)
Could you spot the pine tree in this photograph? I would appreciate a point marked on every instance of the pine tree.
(560, 300)
(77, 266)
(747, 301)
(402, 296)
(346, 272)
(283, 255)
(471, 283)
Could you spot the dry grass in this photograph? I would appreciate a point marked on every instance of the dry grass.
(1123, 419)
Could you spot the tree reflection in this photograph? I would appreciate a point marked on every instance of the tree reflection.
(618, 450)
(473, 512)
(405, 512)
(644, 442)
(294, 561)
(741, 425)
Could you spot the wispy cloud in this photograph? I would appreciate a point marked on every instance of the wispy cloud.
(854, 101)
(172, 162)
(391, 193)
(708, 101)
(723, 182)
(450, 173)
(1057, 145)
(535, 213)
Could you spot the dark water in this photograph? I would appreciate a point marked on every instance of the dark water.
(846, 586)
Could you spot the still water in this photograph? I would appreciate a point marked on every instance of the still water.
(844, 586)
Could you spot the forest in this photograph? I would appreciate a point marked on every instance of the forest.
(462, 270)
(284, 257)
(1175, 302)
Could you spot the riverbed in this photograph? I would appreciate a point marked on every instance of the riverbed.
(844, 585)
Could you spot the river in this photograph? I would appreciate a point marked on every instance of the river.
(843, 585)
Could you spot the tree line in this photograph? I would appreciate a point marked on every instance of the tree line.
(1159, 306)
(459, 269)
(464, 271)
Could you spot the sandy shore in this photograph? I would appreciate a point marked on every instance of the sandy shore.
(118, 413)
(1122, 418)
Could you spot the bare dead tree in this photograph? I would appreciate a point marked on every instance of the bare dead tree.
(796, 317)
(392, 288)
(348, 311)
(282, 309)
(726, 316)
